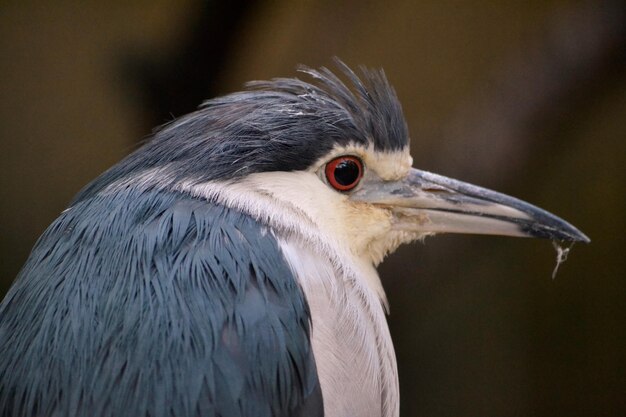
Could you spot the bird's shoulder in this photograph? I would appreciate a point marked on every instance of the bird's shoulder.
(156, 303)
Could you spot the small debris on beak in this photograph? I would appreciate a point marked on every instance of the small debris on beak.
(561, 255)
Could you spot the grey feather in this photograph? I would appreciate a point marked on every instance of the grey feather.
(146, 303)
(281, 125)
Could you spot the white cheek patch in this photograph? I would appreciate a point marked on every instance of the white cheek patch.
(392, 166)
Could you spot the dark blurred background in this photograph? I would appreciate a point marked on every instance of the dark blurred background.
(528, 98)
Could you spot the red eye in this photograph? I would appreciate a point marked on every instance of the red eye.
(344, 172)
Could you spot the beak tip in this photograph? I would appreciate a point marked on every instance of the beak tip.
(566, 233)
(579, 238)
(572, 234)
(583, 238)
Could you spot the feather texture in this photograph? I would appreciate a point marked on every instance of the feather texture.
(280, 125)
(151, 303)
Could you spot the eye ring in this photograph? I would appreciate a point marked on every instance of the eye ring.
(344, 172)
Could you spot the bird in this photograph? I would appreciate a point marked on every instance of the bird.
(227, 267)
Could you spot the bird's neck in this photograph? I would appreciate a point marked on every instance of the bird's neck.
(351, 341)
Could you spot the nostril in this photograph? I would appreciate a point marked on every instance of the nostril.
(435, 189)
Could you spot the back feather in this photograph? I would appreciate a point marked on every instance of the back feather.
(146, 303)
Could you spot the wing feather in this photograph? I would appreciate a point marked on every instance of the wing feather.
(149, 303)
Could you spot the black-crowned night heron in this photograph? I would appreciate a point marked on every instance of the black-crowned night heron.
(227, 267)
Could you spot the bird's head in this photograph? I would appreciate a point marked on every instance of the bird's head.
(325, 161)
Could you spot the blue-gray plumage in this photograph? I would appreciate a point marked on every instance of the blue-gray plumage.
(227, 267)
(279, 125)
(153, 304)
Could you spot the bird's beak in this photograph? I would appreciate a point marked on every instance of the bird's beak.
(428, 203)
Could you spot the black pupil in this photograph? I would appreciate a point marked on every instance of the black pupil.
(346, 172)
